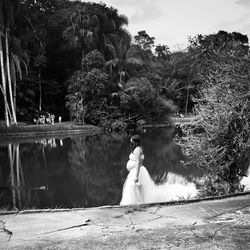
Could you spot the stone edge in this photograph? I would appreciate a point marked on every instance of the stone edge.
(168, 203)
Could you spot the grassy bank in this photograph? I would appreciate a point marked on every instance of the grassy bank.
(64, 126)
(26, 132)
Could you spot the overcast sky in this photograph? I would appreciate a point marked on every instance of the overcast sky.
(172, 21)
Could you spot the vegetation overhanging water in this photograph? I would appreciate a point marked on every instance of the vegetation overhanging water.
(89, 170)
(85, 171)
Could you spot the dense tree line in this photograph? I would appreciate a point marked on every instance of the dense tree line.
(77, 59)
(55, 46)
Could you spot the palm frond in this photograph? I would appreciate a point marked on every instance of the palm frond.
(16, 62)
(133, 60)
(113, 62)
(13, 71)
(23, 62)
(111, 49)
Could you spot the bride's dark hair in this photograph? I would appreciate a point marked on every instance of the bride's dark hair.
(135, 142)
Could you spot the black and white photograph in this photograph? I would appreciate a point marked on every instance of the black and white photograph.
(125, 124)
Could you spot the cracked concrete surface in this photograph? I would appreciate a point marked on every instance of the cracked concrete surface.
(216, 224)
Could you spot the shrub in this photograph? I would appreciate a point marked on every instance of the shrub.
(222, 110)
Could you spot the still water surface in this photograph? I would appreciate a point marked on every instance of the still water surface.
(89, 170)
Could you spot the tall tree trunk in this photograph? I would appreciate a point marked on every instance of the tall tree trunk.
(82, 52)
(13, 113)
(40, 90)
(14, 92)
(13, 77)
(4, 83)
(187, 98)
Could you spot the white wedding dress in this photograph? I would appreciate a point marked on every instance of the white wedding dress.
(141, 191)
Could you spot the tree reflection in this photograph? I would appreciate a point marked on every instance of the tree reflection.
(96, 163)
(176, 187)
(162, 155)
(84, 170)
(20, 182)
(15, 178)
(99, 163)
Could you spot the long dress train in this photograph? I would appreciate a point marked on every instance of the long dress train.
(140, 192)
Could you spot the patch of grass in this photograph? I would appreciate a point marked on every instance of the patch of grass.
(182, 198)
(64, 126)
(31, 133)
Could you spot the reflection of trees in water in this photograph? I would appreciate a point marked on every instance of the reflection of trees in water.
(92, 176)
(16, 174)
(96, 163)
(77, 160)
(162, 155)
(82, 171)
(13, 179)
(33, 158)
(24, 175)
(176, 187)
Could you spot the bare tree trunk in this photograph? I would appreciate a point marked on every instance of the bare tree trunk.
(13, 114)
(110, 70)
(187, 98)
(14, 91)
(40, 90)
(13, 78)
(83, 53)
(8, 108)
(4, 83)
(120, 75)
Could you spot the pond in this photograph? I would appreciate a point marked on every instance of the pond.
(89, 170)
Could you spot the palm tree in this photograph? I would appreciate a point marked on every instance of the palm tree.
(123, 55)
(3, 87)
(7, 11)
(95, 26)
(109, 28)
(40, 62)
(3, 76)
(163, 51)
(13, 111)
(19, 59)
(79, 34)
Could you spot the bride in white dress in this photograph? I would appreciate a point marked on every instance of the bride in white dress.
(138, 187)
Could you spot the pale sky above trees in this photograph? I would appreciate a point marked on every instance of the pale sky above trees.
(172, 21)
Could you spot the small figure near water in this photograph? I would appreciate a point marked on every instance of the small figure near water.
(138, 187)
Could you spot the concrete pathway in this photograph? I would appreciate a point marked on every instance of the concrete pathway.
(213, 224)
